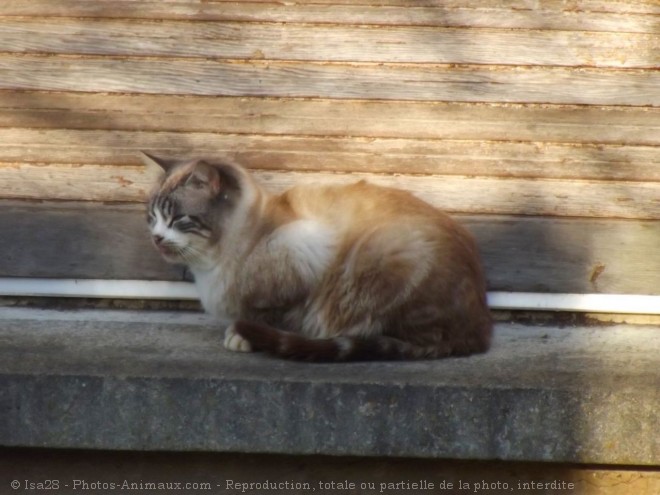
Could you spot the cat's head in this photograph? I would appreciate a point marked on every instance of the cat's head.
(193, 205)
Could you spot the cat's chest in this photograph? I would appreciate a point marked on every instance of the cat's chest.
(215, 295)
(278, 272)
(307, 245)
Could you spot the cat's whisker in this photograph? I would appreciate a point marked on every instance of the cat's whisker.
(191, 254)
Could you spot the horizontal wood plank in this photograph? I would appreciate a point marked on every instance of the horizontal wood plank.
(523, 118)
(646, 6)
(63, 240)
(504, 196)
(267, 116)
(276, 41)
(323, 80)
(618, 17)
(453, 193)
(340, 154)
(568, 255)
(79, 240)
(435, 120)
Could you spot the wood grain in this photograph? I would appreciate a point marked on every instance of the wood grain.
(267, 116)
(277, 41)
(584, 198)
(536, 123)
(617, 17)
(568, 255)
(323, 80)
(342, 154)
(79, 241)
(648, 6)
(520, 254)
(639, 6)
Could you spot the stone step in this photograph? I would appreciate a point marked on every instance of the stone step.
(128, 380)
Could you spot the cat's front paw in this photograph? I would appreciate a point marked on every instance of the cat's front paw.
(234, 342)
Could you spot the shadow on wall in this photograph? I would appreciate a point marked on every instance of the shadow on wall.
(583, 255)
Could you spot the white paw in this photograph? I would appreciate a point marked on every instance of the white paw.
(234, 342)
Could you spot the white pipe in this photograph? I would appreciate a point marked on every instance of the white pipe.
(111, 289)
(144, 289)
(586, 303)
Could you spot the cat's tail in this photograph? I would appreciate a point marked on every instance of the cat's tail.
(298, 347)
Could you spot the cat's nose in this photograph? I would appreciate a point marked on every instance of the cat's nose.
(158, 239)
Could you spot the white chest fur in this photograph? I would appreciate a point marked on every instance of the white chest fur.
(213, 287)
(304, 246)
(308, 244)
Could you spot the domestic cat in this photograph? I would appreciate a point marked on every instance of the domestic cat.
(321, 272)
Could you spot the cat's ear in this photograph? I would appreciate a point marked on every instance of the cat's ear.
(157, 165)
(205, 176)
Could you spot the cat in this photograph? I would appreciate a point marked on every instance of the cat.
(321, 272)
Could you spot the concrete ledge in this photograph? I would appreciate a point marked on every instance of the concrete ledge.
(161, 381)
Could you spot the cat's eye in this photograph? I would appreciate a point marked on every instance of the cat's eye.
(190, 224)
(176, 219)
(179, 220)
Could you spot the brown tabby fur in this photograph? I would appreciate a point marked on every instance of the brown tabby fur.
(328, 273)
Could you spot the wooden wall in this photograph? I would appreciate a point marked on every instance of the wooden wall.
(538, 123)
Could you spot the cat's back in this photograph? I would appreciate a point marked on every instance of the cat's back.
(394, 219)
(346, 205)
(360, 207)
